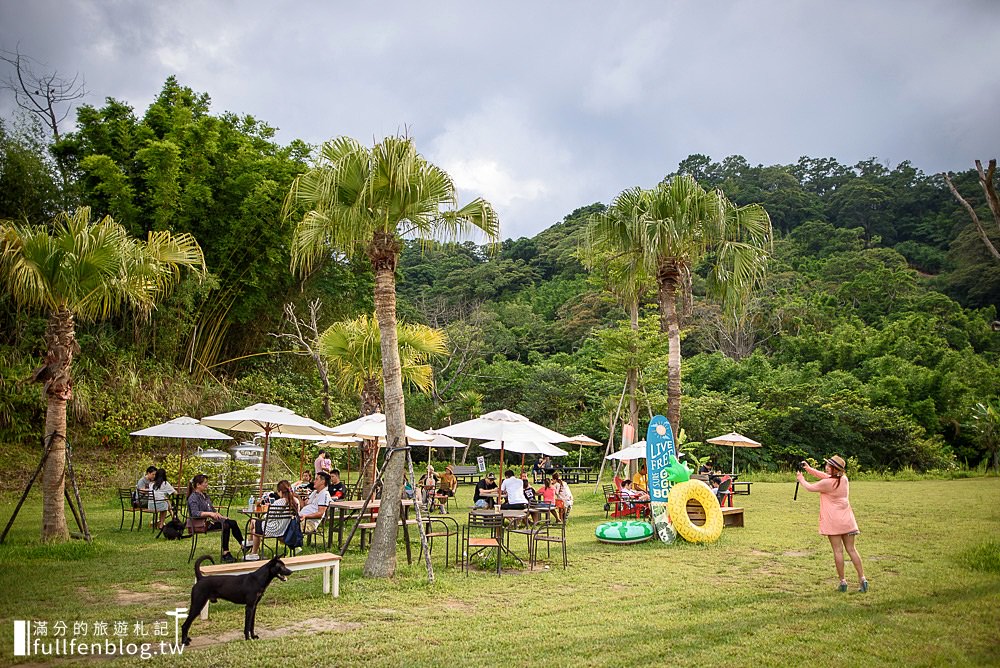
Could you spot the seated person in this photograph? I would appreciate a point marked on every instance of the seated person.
(337, 489)
(546, 495)
(447, 486)
(316, 506)
(640, 481)
(305, 482)
(529, 492)
(200, 507)
(428, 485)
(705, 468)
(487, 483)
(160, 492)
(630, 495)
(146, 481)
(513, 489)
(275, 528)
(537, 468)
(715, 482)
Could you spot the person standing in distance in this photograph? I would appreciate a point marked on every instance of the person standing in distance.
(836, 518)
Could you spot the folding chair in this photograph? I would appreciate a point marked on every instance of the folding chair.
(479, 523)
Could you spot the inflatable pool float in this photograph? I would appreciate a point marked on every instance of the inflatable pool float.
(624, 532)
(702, 494)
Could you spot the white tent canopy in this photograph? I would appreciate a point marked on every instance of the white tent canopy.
(527, 448)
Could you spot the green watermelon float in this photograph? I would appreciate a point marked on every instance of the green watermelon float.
(624, 532)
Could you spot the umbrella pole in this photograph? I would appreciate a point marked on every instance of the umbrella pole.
(579, 462)
(180, 467)
(501, 478)
(302, 460)
(348, 478)
(732, 469)
(263, 461)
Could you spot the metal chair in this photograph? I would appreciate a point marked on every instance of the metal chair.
(275, 522)
(479, 523)
(441, 527)
(547, 532)
(129, 504)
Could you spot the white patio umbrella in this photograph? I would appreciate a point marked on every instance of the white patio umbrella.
(635, 451)
(183, 427)
(502, 426)
(270, 419)
(735, 440)
(582, 440)
(372, 428)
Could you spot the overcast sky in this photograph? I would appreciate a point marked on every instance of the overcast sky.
(542, 107)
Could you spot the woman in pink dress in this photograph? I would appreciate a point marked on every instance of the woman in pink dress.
(836, 519)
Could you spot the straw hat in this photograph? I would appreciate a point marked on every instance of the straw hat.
(837, 462)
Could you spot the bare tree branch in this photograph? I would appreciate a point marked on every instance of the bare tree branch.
(306, 344)
(44, 94)
(991, 196)
(986, 182)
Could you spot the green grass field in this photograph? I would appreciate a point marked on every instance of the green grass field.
(762, 595)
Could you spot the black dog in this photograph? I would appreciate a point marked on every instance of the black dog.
(241, 589)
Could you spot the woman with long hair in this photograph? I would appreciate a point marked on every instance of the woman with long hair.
(274, 528)
(836, 518)
(200, 507)
(159, 498)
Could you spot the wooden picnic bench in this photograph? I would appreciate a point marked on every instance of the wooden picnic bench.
(741, 487)
(327, 561)
(469, 474)
(731, 517)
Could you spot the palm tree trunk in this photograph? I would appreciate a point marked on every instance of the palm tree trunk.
(667, 279)
(60, 340)
(371, 402)
(633, 382)
(384, 253)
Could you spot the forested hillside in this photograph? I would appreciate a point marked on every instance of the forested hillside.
(873, 335)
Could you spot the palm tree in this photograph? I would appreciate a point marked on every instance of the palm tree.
(356, 201)
(614, 248)
(78, 269)
(353, 351)
(664, 233)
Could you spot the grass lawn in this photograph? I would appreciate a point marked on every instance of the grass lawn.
(762, 595)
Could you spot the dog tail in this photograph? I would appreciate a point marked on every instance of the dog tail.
(197, 566)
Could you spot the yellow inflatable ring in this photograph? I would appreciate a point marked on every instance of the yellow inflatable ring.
(702, 494)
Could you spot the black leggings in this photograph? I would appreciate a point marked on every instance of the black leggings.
(228, 526)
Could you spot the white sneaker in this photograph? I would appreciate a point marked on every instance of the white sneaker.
(252, 557)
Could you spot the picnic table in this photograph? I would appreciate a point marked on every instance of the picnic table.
(578, 474)
(350, 509)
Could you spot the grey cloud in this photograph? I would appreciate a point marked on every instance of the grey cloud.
(555, 105)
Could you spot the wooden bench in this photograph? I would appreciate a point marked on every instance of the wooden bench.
(741, 488)
(469, 474)
(731, 517)
(330, 563)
